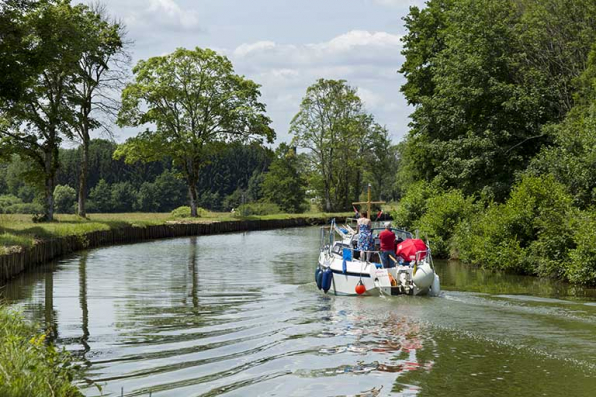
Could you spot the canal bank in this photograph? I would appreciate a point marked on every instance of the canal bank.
(45, 250)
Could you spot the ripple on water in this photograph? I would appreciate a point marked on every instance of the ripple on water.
(165, 318)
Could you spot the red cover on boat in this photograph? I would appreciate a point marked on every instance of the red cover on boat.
(407, 249)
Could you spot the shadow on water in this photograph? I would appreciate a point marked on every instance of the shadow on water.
(167, 318)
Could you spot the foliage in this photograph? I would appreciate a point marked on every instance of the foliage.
(414, 204)
(101, 197)
(65, 198)
(99, 71)
(10, 204)
(531, 233)
(572, 157)
(8, 200)
(444, 212)
(196, 103)
(332, 124)
(123, 197)
(381, 163)
(486, 77)
(147, 198)
(29, 365)
(283, 184)
(184, 212)
(235, 200)
(581, 267)
(35, 123)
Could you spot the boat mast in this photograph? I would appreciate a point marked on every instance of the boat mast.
(368, 202)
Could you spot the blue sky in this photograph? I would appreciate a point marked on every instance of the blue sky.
(285, 45)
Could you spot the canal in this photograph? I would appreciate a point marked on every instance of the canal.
(240, 315)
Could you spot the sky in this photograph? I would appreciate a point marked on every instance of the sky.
(285, 46)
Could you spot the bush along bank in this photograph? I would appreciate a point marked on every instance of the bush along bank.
(537, 231)
(29, 365)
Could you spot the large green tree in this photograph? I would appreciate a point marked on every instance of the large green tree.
(485, 77)
(284, 184)
(101, 71)
(192, 102)
(333, 126)
(35, 118)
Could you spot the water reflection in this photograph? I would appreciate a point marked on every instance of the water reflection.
(167, 318)
(83, 301)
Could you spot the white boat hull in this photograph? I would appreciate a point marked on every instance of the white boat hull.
(377, 281)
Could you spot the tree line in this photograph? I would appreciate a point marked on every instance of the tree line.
(498, 166)
(201, 125)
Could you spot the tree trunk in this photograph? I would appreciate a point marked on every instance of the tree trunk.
(49, 184)
(327, 198)
(192, 193)
(83, 179)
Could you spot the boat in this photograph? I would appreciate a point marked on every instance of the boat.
(343, 270)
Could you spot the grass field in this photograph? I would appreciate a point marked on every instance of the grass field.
(17, 231)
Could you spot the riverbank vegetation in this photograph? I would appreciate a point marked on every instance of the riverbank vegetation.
(29, 365)
(19, 231)
(498, 167)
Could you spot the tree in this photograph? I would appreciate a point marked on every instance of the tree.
(381, 163)
(101, 196)
(486, 77)
(100, 71)
(124, 197)
(170, 191)
(572, 157)
(147, 198)
(34, 120)
(283, 185)
(196, 104)
(65, 197)
(331, 123)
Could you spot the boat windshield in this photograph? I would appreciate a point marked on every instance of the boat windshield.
(399, 233)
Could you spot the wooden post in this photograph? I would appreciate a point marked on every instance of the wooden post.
(368, 203)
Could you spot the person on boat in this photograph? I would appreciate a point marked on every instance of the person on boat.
(387, 239)
(365, 237)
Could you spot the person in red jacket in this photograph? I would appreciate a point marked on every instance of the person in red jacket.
(387, 239)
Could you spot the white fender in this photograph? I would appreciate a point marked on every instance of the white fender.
(435, 289)
(424, 277)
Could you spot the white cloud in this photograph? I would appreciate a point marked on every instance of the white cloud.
(163, 13)
(355, 46)
(400, 3)
(367, 60)
(246, 49)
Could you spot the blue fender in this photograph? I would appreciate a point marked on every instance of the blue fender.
(327, 278)
(319, 277)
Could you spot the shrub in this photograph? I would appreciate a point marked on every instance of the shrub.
(25, 208)
(414, 204)
(184, 212)
(257, 209)
(65, 198)
(8, 200)
(530, 233)
(124, 197)
(443, 214)
(581, 267)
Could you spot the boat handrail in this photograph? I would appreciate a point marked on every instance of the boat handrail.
(416, 260)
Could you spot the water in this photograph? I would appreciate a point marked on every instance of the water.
(239, 315)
